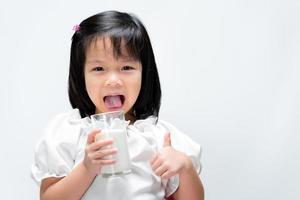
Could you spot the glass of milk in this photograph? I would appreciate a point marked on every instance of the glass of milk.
(113, 125)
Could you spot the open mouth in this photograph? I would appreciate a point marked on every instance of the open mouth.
(114, 101)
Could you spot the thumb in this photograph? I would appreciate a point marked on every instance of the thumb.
(92, 135)
(167, 140)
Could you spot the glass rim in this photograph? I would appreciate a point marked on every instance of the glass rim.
(108, 113)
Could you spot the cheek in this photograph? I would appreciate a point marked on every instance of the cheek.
(90, 93)
(91, 89)
(136, 87)
(133, 88)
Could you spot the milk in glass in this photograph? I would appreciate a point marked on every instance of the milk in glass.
(113, 125)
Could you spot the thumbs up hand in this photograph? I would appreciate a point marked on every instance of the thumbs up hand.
(169, 162)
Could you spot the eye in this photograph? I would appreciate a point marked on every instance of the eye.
(126, 68)
(98, 69)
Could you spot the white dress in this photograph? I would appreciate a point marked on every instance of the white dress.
(62, 148)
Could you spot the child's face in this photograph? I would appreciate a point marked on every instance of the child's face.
(112, 84)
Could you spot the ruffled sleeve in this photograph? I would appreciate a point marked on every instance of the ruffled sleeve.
(183, 143)
(55, 153)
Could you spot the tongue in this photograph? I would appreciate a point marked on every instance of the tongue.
(113, 101)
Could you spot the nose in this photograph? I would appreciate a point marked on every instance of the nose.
(113, 80)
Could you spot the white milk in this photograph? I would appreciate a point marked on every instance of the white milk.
(122, 165)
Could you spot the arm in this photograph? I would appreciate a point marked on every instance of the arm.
(190, 186)
(63, 188)
(74, 185)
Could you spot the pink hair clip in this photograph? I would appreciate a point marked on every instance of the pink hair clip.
(76, 28)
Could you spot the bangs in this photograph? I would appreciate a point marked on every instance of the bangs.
(126, 43)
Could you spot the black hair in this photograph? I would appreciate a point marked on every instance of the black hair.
(118, 26)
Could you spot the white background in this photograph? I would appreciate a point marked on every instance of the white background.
(229, 72)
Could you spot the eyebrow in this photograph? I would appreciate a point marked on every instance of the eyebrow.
(123, 59)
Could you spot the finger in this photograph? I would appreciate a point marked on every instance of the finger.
(160, 170)
(100, 144)
(156, 164)
(104, 162)
(91, 136)
(101, 154)
(167, 174)
(153, 159)
(167, 140)
(107, 162)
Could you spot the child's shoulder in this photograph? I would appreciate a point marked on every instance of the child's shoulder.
(154, 123)
(71, 116)
(179, 137)
(65, 122)
(160, 127)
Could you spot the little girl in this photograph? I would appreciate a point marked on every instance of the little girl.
(112, 67)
